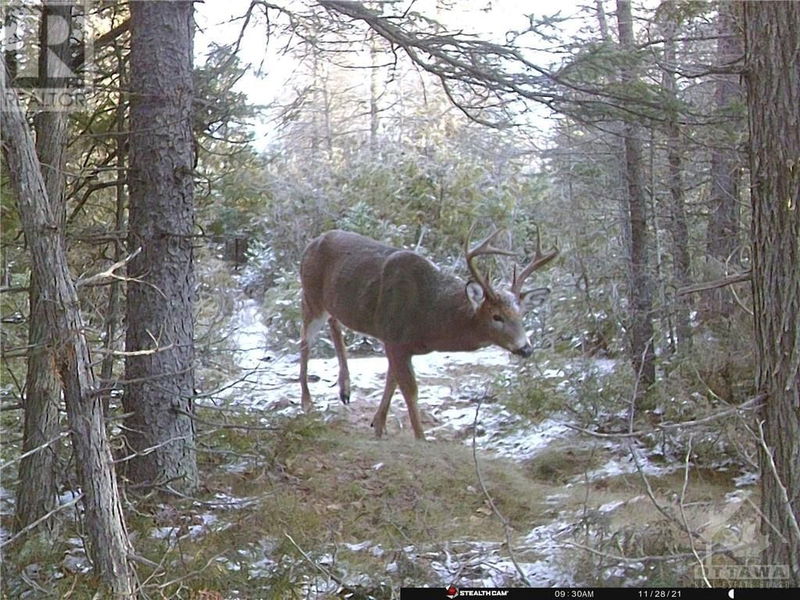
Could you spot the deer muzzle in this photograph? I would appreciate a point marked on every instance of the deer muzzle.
(525, 351)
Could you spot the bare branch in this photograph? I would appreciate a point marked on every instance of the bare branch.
(109, 272)
(41, 520)
(717, 283)
(754, 403)
(60, 436)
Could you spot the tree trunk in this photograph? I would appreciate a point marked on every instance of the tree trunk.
(723, 224)
(160, 315)
(678, 227)
(639, 284)
(105, 526)
(772, 31)
(115, 294)
(373, 92)
(38, 472)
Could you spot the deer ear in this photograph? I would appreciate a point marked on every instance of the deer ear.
(475, 294)
(532, 298)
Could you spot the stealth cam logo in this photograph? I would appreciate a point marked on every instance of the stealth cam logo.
(451, 592)
(48, 52)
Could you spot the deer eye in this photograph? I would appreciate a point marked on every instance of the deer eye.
(498, 318)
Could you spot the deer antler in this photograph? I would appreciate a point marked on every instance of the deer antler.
(537, 262)
(482, 248)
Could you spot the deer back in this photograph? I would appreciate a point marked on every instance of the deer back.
(394, 295)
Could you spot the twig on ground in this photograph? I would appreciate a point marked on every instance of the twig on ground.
(313, 563)
(490, 500)
(685, 520)
(751, 404)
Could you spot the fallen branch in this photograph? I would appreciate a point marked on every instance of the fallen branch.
(311, 561)
(490, 500)
(751, 404)
(648, 558)
(197, 419)
(685, 519)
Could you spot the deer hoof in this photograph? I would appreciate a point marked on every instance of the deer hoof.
(345, 398)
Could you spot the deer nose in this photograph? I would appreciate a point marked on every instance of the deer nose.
(525, 351)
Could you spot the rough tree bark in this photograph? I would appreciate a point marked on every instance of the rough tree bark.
(723, 225)
(115, 306)
(38, 472)
(678, 227)
(772, 31)
(159, 368)
(109, 546)
(639, 279)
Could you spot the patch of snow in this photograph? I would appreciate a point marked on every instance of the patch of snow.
(163, 533)
(200, 526)
(603, 366)
(745, 479)
(737, 496)
(626, 465)
(611, 506)
(358, 547)
(487, 564)
(6, 508)
(548, 542)
(67, 497)
(524, 443)
(249, 335)
(553, 374)
(225, 501)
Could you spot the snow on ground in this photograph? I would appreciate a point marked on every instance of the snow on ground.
(453, 387)
(6, 508)
(450, 383)
(450, 387)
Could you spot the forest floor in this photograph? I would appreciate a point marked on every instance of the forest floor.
(495, 497)
(298, 505)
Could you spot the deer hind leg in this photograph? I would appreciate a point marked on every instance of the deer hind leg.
(402, 375)
(341, 355)
(311, 325)
(379, 420)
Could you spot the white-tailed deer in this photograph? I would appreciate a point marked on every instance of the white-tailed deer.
(406, 302)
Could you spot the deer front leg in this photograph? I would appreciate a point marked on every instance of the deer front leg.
(341, 356)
